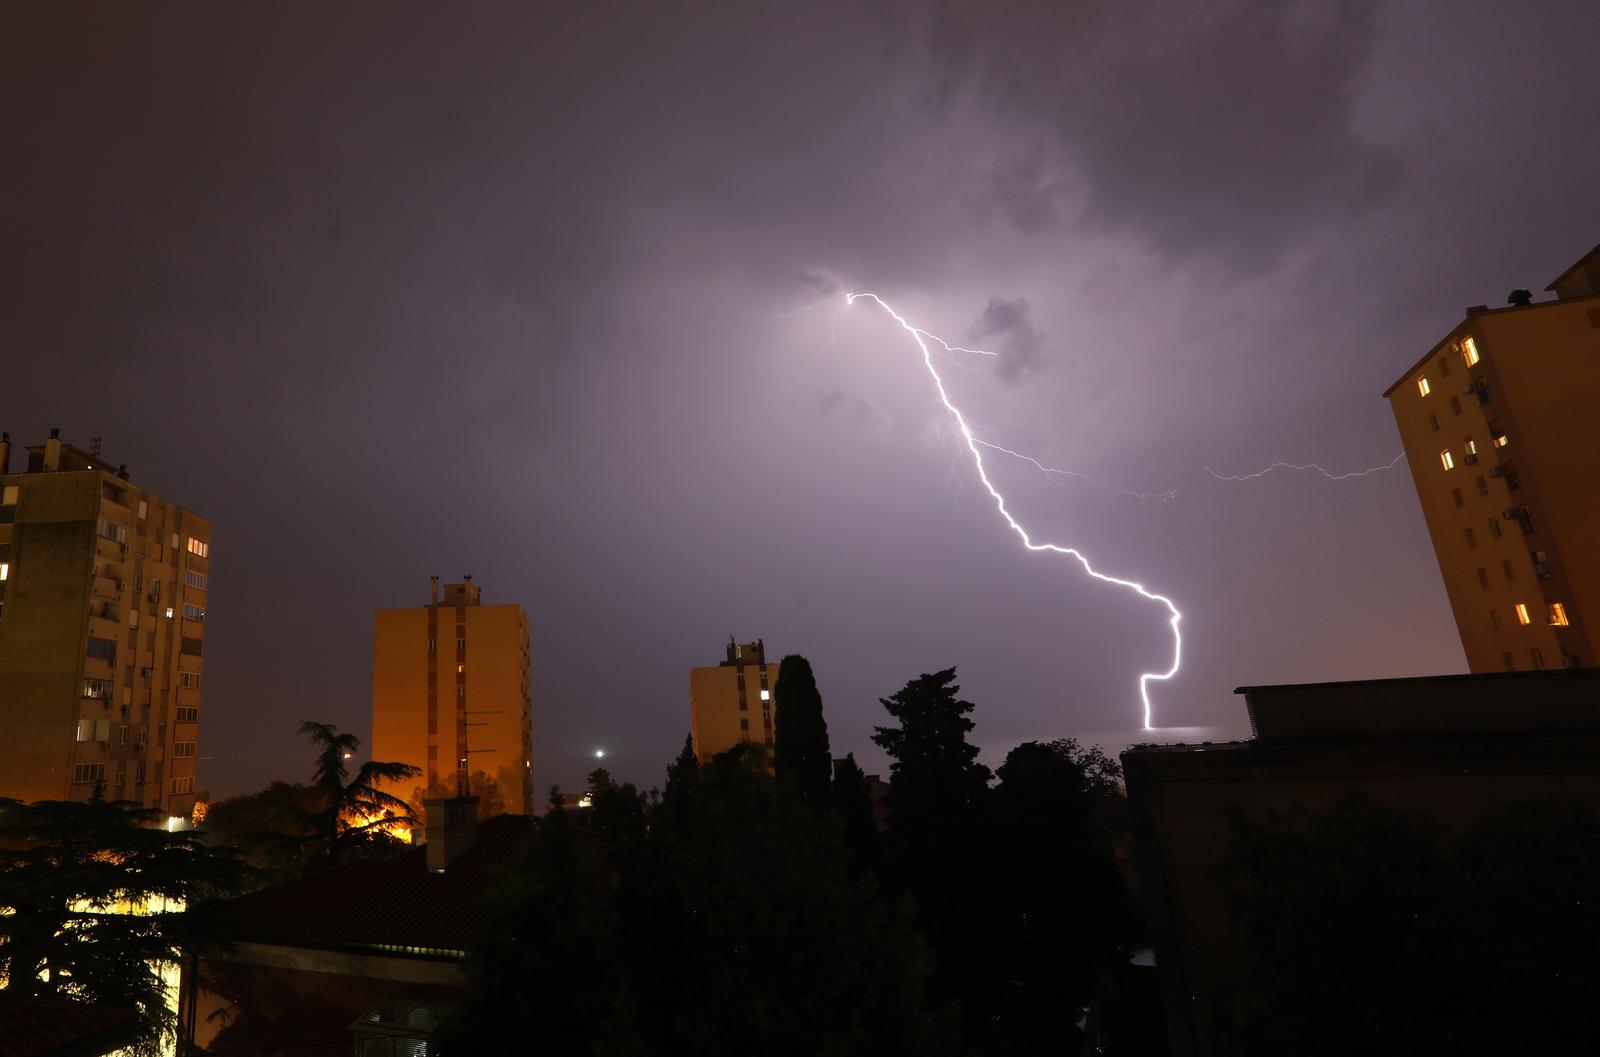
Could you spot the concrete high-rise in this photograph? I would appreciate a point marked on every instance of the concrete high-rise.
(103, 590)
(1500, 426)
(720, 701)
(452, 693)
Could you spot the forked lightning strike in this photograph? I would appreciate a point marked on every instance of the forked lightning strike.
(921, 337)
(1306, 466)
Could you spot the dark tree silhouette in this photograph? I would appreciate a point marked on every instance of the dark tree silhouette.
(71, 871)
(800, 754)
(354, 812)
(1520, 298)
(683, 784)
(853, 802)
(1061, 914)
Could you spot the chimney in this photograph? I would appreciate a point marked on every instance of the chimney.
(5, 453)
(452, 827)
(433, 592)
(52, 452)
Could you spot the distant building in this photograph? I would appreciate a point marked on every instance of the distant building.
(452, 693)
(1500, 428)
(103, 591)
(1454, 749)
(732, 703)
(369, 953)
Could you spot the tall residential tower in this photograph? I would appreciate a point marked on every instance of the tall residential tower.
(102, 632)
(1501, 423)
(452, 693)
(732, 704)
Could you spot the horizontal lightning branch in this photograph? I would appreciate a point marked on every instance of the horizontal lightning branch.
(1306, 466)
(974, 446)
(1052, 472)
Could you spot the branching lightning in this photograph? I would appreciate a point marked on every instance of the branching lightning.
(1052, 472)
(974, 446)
(1306, 466)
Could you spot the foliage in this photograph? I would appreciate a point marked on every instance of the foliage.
(353, 812)
(481, 784)
(69, 873)
(852, 802)
(800, 752)
(1375, 931)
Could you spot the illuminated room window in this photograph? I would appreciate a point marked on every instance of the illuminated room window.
(5, 570)
(1469, 351)
(766, 695)
(1423, 387)
(1558, 614)
(1472, 446)
(8, 495)
(1522, 614)
(1501, 440)
(1448, 459)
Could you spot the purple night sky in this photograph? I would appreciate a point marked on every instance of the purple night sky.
(394, 290)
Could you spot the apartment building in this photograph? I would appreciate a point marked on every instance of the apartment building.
(732, 703)
(452, 693)
(1500, 428)
(103, 589)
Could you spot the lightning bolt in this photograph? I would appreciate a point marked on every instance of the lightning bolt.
(1306, 466)
(974, 446)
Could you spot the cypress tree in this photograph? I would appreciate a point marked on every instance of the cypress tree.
(801, 754)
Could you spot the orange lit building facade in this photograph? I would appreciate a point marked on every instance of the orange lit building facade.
(733, 703)
(103, 590)
(1501, 425)
(452, 693)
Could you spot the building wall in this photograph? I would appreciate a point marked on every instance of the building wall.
(1512, 525)
(84, 551)
(487, 675)
(717, 718)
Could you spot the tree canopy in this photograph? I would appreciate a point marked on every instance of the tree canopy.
(800, 752)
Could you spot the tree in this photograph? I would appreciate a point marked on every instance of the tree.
(353, 812)
(800, 754)
(853, 802)
(85, 885)
(937, 793)
(683, 785)
(481, 784)
(1062, 913)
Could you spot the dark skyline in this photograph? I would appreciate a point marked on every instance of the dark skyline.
(387, 293)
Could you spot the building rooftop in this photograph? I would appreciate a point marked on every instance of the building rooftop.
(390, 906)
(57, 1027)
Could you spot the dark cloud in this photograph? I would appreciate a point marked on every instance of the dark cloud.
(1223, 129)
(1006, 328)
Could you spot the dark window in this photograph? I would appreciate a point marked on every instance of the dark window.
(1483, 578)
(1455, 405)
(1538, 657)
(1505, 566)
(1494, 527)
(1494, 617)
(1525, 519)
(1483, 485)
(744, 724)
(1456, 493)
(1472, 540)
(192, 647)
(1511, 665)
(1444, 366)
(1433, 420)
(105, 649)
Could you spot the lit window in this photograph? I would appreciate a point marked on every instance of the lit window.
(169, 612)
(183, 785)
(1558, 614)
(1472, 446)
(5, 570)
(1448, 459)
(199, 548)
(1522, 614)
(144, 509)
(1423, 387)
(1501, 440)
(1469, 351)
(766, 695)
(8, 495)
(182, 750)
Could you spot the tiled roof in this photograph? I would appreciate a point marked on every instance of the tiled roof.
(57, 1027)
(392, 905)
